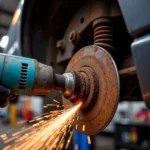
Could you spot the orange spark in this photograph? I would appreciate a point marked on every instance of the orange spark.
(69, 140)
(55, 101)
(76, 126)
(46, 134)
(52, 105)
(45, 106)
(21, 122)
(3, 135)
(89, 140)
(83, 128)
(31, 121)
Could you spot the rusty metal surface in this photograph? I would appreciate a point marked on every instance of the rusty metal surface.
(91, 88)
(103, 35)
(130, 70)
(97, 63)
(73, 37)
(130, 89)
(83, 18)
(44, 79)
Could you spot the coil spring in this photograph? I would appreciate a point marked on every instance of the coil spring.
(103, 36)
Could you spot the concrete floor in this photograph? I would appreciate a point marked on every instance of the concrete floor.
(103, 143)
(9, 130)
(100, 142)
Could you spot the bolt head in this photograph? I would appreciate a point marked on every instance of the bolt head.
(72, 36)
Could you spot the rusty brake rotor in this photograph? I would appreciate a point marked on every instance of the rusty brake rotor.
(99, 89)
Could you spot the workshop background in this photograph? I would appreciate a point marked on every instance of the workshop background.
(129, 129)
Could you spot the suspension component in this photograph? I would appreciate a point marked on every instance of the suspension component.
(103, 35)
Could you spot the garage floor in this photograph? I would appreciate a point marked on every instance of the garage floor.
(103, 143)
(100, 142)
(9, 130)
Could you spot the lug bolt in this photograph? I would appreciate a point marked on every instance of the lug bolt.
(73, 37)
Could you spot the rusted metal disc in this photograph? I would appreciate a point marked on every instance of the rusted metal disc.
(102, 64)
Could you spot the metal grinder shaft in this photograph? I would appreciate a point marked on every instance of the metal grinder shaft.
(26, 76)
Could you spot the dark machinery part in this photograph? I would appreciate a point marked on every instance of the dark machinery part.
(132, 11)
(139, 30)
(103, 35)
(4, 95)
(140, 50)
(94, 14)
